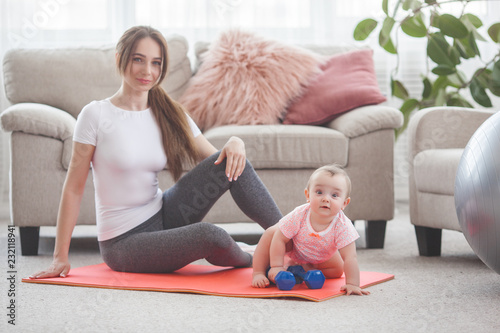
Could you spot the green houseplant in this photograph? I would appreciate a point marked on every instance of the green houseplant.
(450, 41)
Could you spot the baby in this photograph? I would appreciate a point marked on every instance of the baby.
(316, 235)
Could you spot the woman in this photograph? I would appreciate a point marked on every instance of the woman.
(129, 138)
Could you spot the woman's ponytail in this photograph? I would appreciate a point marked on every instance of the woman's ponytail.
(177, 137)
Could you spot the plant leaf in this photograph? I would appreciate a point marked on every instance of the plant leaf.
(385, 32)
(453, 27)
(483, 76)
(385, 6)
(443, 70)
(399, 90)
(476, 21)
(494, 32)
(454, 55)
(415, 26)
(384, 38)
(437, 50)
(440, 97)
(439, 90)
(408, 106)
(466, 47)
(440, 83)
(472, 23)
(406, 4)
(435, 19)
(411, 4)
(458, 101)
(494, 81)
(427, 88)
(479, 93)
(457, 80)
(473, 44)
(495, 73)
(364, 29)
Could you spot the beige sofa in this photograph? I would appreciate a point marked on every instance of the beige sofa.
(437, 138)
(49, 87)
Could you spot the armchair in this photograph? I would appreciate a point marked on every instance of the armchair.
(437, 138)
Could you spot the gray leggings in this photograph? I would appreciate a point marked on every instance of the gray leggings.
(175, 237)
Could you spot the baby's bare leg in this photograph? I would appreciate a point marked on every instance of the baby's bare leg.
(333, 268)
(261, 259)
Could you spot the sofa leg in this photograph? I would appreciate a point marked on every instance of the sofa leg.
(29, 240)
(429, 241)
(375, 234)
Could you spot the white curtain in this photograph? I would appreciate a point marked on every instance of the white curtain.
(74, 23)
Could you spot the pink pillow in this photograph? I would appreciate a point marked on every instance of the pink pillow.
(246, 80)
(348, 81)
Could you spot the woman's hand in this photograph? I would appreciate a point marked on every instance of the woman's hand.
(234, 153)
(58, 268)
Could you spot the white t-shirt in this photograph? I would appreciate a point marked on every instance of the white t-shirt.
(127, 158)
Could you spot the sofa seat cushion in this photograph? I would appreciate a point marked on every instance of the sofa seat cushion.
(435, 170)
(285, 146)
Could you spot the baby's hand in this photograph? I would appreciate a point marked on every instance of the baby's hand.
(273, 272)
(354, 290)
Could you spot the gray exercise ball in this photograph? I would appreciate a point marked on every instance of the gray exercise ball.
(477, 192)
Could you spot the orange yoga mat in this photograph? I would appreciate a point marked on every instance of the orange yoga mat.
(202, 279)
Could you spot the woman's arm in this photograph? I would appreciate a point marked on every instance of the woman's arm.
(233, 151)
(69, 209)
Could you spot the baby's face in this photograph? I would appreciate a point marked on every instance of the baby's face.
(327, 194)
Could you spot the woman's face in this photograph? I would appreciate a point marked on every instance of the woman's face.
(144, 65)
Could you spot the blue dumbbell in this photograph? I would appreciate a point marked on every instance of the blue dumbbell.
(285, 280)
(314, 279)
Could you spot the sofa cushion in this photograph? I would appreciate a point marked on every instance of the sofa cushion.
(79, 75)
(285, 146)
(245, 79)
(348, 81)
(435, 170)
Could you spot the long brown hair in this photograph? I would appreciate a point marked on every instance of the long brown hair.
(177, 137)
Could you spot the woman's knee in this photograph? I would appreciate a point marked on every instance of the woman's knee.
(213, 236)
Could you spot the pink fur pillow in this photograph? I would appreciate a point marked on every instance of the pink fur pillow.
(245, 79)
(348, 81)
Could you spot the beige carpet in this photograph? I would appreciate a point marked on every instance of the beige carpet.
(452, 293)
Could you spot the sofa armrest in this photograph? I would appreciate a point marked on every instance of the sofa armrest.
(367, 119)
(38, 119)
(443, 127)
